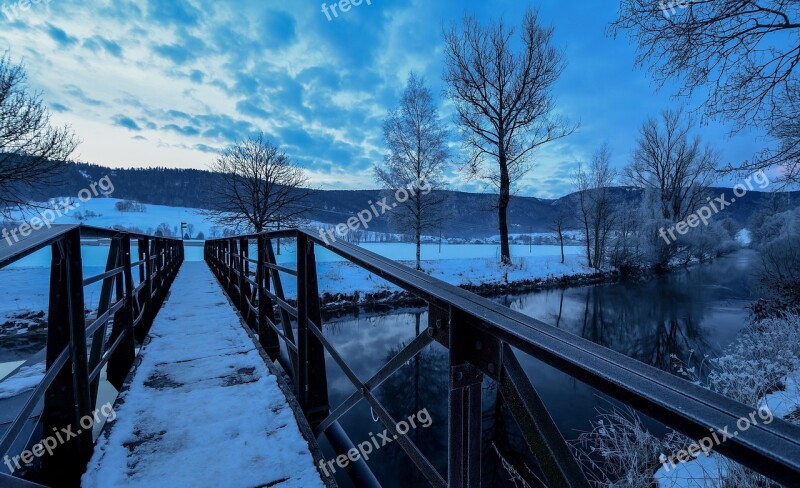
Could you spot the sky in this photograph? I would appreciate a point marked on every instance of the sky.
(173, 82)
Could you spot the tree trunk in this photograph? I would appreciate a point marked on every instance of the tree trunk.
(561, 238)
(598, 257)
(502, 208)
(588, 242)
(419, 253)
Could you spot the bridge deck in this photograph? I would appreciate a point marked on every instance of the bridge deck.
(202, 408)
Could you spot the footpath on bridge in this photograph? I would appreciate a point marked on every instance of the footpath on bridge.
(202, 408)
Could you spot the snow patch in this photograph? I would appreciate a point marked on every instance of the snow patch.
(702, 472)
(784, 402)
(27, 378)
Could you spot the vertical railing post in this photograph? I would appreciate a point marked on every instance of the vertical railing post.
(106, 294)
(69, 398)
(266, 335)
(122, 358)
(236, 275)
(464, 408)
(158, 271)
(286, 320)
(146, 252)
(313, 379)
(243, 268)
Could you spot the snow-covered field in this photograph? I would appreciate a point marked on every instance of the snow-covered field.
(100, 212)
(344, 277)
(23, 285)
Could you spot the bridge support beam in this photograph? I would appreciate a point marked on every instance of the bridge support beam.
(69, 397)
(464, 408)
(313, 379)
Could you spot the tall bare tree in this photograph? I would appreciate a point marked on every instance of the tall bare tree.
(672, 162)
(603, 177)
(504, 100)
(32, 151)
(418, 154)
(256, 187)
(742, 55)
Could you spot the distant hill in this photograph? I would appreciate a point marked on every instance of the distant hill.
(471, 214)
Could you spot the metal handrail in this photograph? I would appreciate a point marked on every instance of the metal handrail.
(482, 336)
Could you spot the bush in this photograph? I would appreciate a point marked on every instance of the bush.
(130, 206)
(778, 274)
(619, 451)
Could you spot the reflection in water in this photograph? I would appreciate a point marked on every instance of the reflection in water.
(698, 310)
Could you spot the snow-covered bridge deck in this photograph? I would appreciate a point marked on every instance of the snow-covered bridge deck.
(202, 408)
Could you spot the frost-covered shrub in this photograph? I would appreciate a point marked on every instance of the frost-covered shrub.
(704, 243)
(758, 360)
(620, 452)
(778, 273)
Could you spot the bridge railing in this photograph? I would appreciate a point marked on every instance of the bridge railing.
(483, 339)
(81, 344)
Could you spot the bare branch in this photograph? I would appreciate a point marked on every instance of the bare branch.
(504, 101)
(32, 151)
(257, 187)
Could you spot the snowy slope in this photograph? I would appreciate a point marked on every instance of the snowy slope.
(107, 216)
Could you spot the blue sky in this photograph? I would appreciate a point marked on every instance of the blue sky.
(171, 82)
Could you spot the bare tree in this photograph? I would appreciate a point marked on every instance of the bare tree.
(595, 205)
(673, 166)
(584, 185)
(504, 101)
(418, 154)
(256, 187)
(670, 161)
(784, 127)
(603, 177)
(32, 151)
(742, 55)
(558, 225)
